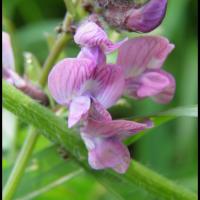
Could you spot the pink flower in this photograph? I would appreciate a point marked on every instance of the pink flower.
(103, 138)
(141, 60)
(73, 82)
(134, 16)
(147, 17)
(89, 34)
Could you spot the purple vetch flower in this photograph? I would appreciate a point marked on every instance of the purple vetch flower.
(128, 15)
(73, 82)
(147, 17)
(141, 60)
(89, 34)
(103, 139)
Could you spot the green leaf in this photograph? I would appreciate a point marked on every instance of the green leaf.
(164, 117)
(55, 129)
(191, 111)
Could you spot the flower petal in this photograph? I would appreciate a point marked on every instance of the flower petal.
(168, 93)
(147, 17)
(157, 84)
(109, 84)
(95, 54)
(7, 52)
(67, 77)
(138, 54)
(78, 109)
(108, 153)
(109, 128)
(90, 34)
(98, 112)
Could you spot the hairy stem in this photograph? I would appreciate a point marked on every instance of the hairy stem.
(33, 136)
(56, 130)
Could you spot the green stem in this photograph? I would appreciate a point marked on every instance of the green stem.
(30, 141)
(20, 165)
(51, 59)
(54, 128)
(157, 184)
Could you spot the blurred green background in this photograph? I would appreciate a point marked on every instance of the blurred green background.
(170, 149)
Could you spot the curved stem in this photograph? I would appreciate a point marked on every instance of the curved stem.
(20, 165)
(31, 140)
(157, 184)
(54, 128)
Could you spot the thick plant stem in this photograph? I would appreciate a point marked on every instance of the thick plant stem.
(20, 165)
(31, 140)
(157, 184)
(55, 129)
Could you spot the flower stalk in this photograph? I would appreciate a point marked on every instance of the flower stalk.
(33, 136)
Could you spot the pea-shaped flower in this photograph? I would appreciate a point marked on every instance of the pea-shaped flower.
(73, 82)
(131, 16)
(141, 60)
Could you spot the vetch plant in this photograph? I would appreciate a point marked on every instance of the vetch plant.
(87, 83)
(83, 88)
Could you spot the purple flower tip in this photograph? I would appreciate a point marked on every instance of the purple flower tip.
(147, 17)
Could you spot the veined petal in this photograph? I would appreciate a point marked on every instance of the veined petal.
(95, 54)
(98, 112)
(168, 93)
(157, 84)
(109, 84)
(67, 77)
(108, 153)
(7, 52)
(147, 52)
(110, 128)
(78, 109)
(90, 34)
(147, 17)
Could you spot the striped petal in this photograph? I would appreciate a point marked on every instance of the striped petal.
(107, 153)
(138, 54)
(98, 112)
(110, 128)
(7, 52)
(90, 34)
(109, 85)
(78, 110)
(67, 77)
(157, 84)
(147, 17)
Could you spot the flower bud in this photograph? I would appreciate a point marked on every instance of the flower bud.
(134, 16)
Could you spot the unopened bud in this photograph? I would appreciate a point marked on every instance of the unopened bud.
(134, 16)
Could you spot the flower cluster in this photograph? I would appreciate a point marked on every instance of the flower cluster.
(87, 85)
